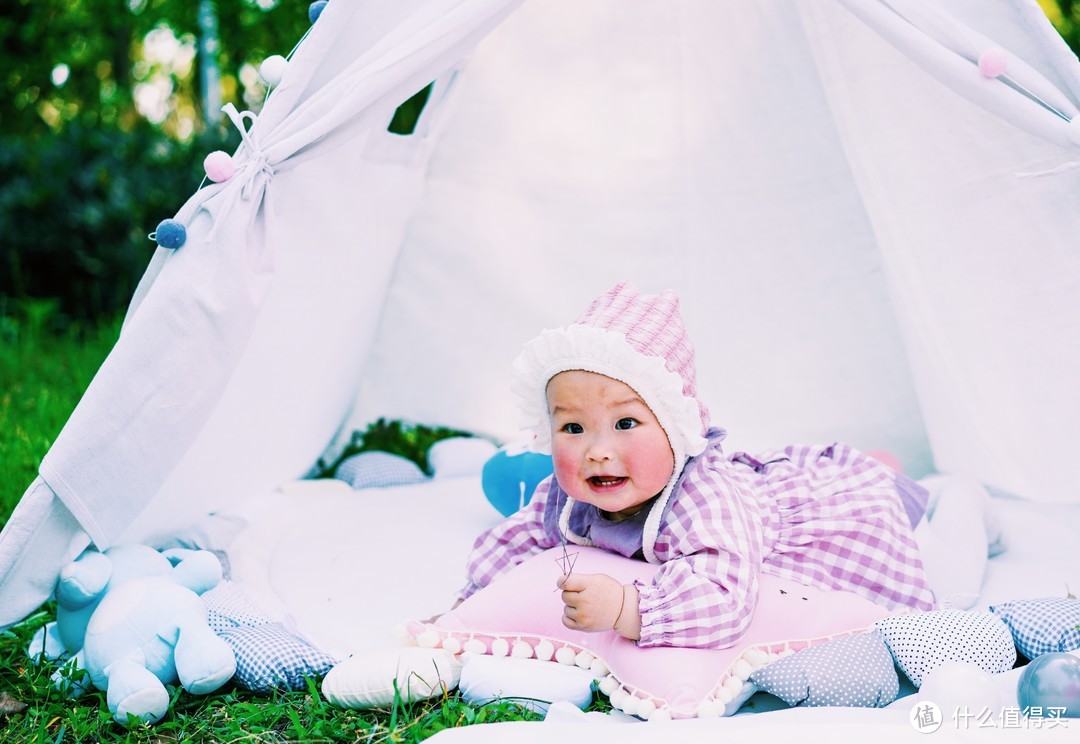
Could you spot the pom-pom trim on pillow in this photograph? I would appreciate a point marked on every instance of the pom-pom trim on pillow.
(519, 616)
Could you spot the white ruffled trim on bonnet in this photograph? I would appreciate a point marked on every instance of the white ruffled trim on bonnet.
(608, 353)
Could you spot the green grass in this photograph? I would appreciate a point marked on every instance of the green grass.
(45, 365)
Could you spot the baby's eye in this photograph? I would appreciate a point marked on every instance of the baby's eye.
(573, 428)
(626, 423)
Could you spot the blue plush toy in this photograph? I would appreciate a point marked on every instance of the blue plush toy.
(134, 620)
(511, 475)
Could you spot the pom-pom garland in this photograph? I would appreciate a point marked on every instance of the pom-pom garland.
(315, 10)
(219, 166)
(170, 234)
(272, 69)
(993, 62)
(625, 698)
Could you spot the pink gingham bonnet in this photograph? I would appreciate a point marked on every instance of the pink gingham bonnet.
(638, 339)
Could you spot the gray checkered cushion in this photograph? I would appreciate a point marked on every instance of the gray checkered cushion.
(269, 657)
(853, 671)
(379, 469)
(1041, 626)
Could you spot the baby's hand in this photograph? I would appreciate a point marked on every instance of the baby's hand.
(593, 602)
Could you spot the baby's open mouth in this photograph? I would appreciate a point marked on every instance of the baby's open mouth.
(606, 481)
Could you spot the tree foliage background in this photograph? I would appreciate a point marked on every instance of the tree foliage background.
(102, 131)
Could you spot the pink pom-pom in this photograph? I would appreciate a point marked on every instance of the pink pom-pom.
(888, 458)
(993, 62)
(219, 166)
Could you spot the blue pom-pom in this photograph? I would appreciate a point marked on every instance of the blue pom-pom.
(315, 10)
(505, 476)
(170, 234)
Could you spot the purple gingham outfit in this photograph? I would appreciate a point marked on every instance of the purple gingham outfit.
(826, 516)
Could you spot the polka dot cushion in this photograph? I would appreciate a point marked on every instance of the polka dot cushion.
(1041, 626)
(227, 607)
(920, 642)
(856, 671)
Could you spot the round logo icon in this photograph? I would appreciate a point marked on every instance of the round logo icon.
(925, 717)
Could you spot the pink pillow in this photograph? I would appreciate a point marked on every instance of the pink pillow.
(520, 615)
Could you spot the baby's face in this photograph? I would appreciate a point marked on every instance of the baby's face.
(608, 447)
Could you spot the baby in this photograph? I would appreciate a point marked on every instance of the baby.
(639, 472)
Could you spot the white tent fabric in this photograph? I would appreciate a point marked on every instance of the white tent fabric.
(872, 242)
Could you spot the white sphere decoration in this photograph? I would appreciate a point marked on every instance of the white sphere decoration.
(617, 697)
(584, 660)
(453, 645)
(958, 684)
(645, 709)
(724, 696)
(273, 68)
(755, 657)
(401, 635)
(608, 685)
(428, 639)
(707, 709)
(499, 647)
(474, 646)
(1074, 130)
(566, 655)
(545, 650)
(661, 714)
(629, 705)
(741, 669)
(733, 685)
(599, 668)
(521, 650)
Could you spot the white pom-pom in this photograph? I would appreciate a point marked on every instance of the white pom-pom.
(786, 653)
(565, 655)
(584, 660)
(617, 697)
(608, 685)
(428, 639)
(545, 650)
(521, 650)
(629, 705)
(724, 696)
(499, 647)
(741, 669)
(453, 645)
(707, 709)
(733, 685)
(755, 657)
(273, 68)
(474, 646)
(660, 714)
(645, 709)
(599, 668)
(1074, 130)
(400, 634)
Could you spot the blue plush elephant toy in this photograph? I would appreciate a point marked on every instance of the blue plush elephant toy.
(133, 618)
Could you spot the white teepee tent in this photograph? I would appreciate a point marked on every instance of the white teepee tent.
(873, 240)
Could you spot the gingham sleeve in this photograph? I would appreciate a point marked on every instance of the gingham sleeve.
(528, 531)
(711, 547)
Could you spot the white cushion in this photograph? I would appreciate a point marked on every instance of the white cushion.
(531, 683)
(367, 679)
(459, 456)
